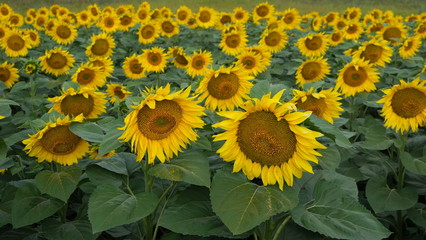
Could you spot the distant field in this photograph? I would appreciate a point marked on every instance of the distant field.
(402, 7)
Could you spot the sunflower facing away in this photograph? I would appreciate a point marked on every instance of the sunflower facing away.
(266, 141)
(85, 101)
(133, 68)
(225, 88)
(102, 46)
(198, 63)
(355, 77)
(163, 124)
(313, 45)
(324, 104)
(15, 44)
(56, 61)
(89, 76)
(55, 142)
(8, 74)
(404, 106)
(154, 59)
(312, 70)
(376, 52)
(117, 92)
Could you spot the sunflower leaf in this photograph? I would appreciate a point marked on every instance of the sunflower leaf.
(329, 130)
(30, 206)
(415, 165)
(58, 184)
(74, 230)
(333, 213)
(88, 131)
(375, 136)
(242, 205)
(109, 206)
(191, 167)
(383, 198)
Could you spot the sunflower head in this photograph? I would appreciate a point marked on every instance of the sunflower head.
(154, 59)
(273, 40)
(240, 15)
(233, 43)
(31, 67)
(89, 76)
(117, 92)
(15, 43)
(313, 45)
(410, 47)
(85, 102)
(102, 46)
(180, 59)
(252, 62)
(312, 70)
(168, 27)
(198, 63)
(163, 124)
(404, 106)
(291, 18)
(8, 74)
(206, 17)
(263, 11)
(148, 32)
(357, 76)
(133, 68)
(63, 33)
(336, 38)
(56, 61)
(225, 88)
(376, 52)
(105, 64)
(266, 141)
(183, 13)
(55, 142)
(394, 33)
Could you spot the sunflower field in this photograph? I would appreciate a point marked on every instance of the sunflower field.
(134, 122)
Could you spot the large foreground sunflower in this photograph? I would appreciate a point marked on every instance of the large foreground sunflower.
(86, 101)
(8, 74)
(162, 124)
(57, 143)
(324, 104)
(266, 141)
(404, 106)
(225, 88)
(357, 76)
(56, 61)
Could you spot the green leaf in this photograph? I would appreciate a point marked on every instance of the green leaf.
(383, 198)
(192, 208)
(110, 206)
(114, 164)
(242, 205)
(74, 230)
(418, 216)
(30, 206)
(58, 184)
(99, 175)
(191, 167)
(330, 158)
(5, 217)
(334, 214)
(259, 89)
(375, 136)
(88, 131)
(3, 150)
(110, 142)
(415, 165)
(203, 143)
(330, 131)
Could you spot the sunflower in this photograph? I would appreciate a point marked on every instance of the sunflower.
(89, 76)
(265, 141)
(353, 30)
(183, 13)
(335, 38)
(3, 30)
(15, 44)
(206, 17)
(117, 92)
(261, 51)
(83, 18)
(225, 19)
(166, 12)
(15, 20)
(126, 21)
(331, 18)
(420, 30)
(109, 23)
(273, 40)
(29, 19)
(225, 88)
(94, 12)
(357, 76)
(180, 59)
(353, 13)
(133, 68)
(56, 61)
(168, 27)
(102, 46)
(393, 33)
(31, 67)
(55, 142)
(8, 74)
(291, 18)
(5, 10)
(43, 11)
(410, 47)
(198, 63)
(142, 14)
(262, 11)
(33, 37)
(376, 51)
(312, 70)
(240, 15)
(105, 64)
(251, 62)
(64, 33)
(85, 101)
(340, 24)
(404, 106)
(163, 124)
(94, 153)
(313, 45)
(154, 59)
(324, 104)
(148, 32)
(233, 43)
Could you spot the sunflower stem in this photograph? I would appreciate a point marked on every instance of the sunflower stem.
(280, 228)
(400, 185)
(171, 187)
(149, 180)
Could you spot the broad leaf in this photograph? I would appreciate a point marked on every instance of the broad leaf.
(259, 89)
(191, 167)
(242, 205)
(110, 206)
(75, 230)
(99, 175)
(415, 165)
(383, 198)
(114, 164)
(192, 208)
(375, 136)
(110, 142)
(58, 184)
(88, 131)
(30, 206)
(330, 131)
(334, 214)
(418, 216)
(330, 158)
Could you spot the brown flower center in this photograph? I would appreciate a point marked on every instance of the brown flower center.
(198, 62)
(154, 58)
(317, 106)
(100, 47)
(119, 93)
(249, 62)
(59, 140)
(314, 43)
(77, 104)
(372, 53)
(205, 16)
(225, 19)
(15, 42)
(57, 61)
(147, 31)
(63, 31)
(224, 86)
(392, 33)
(182, 15)
(289, 18)
(273, 39)
(262, 11)
(167, 27)
(408, 102)
(354, 77)
(135, 67)
(125, 20)
(310, 71)
(233, 40)
(265, 140)
(4, 74)
(86, 76)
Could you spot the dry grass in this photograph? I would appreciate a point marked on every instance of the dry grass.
(402, 7)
